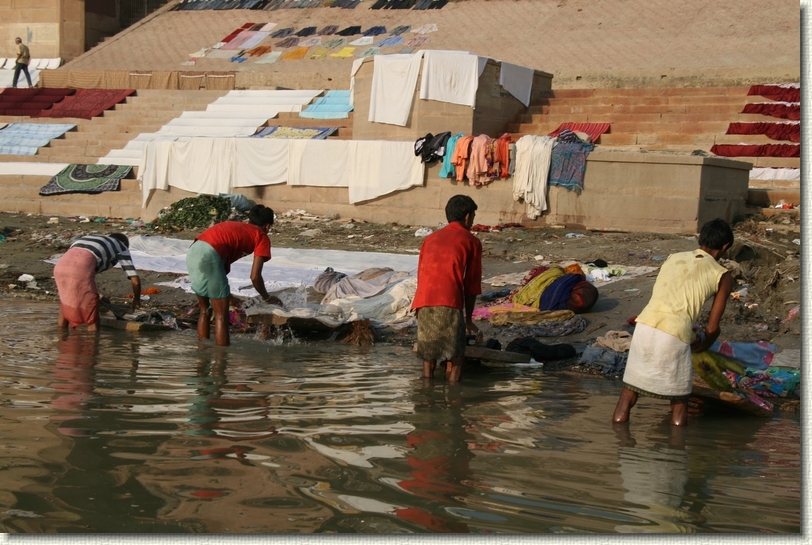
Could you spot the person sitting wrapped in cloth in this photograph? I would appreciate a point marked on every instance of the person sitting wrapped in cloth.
(659, 363)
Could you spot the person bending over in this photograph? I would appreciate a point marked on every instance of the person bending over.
(75, 275)
(209, 261)
(659, 362)
(449, 277)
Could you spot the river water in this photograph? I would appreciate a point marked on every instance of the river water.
(152, 432)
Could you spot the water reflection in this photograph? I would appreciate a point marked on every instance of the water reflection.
(121, 432)
(654, 479)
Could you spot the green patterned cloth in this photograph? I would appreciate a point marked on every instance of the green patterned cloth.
(86, 179)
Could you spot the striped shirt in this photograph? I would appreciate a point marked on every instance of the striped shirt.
(108, 251)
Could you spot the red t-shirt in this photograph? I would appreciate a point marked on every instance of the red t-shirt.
(449, 268)
(234, 240)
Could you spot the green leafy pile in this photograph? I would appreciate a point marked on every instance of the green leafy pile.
(198, 212)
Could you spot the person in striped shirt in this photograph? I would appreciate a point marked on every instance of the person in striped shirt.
(75, 276)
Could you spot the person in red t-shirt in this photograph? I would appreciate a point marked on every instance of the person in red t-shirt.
(209, 261)
(449, 277)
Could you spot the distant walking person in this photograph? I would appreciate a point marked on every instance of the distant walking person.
(449, 277)
(75, 276)
(23, 58)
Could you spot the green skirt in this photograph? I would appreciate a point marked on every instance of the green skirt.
(440, 333)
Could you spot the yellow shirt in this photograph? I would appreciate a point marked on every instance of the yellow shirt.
(685, 282)
(24, 54)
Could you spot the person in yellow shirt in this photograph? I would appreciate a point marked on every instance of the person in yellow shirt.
(23, 58)
(659, 362)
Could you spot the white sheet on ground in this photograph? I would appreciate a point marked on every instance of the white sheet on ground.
(394, 79)
(253, 121)
(211, 131)
(379, 167)
(517, 80)
(330, 315)
(270, 110)
(450, 76)
(288, 268)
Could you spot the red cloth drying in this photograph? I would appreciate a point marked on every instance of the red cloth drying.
(87, 103)
(594, 130)
(784, 111)
(763, 150)
(776, 92)
(776, 131)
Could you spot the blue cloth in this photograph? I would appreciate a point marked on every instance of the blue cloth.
(605, 359)
(556, 295)
(568, 165)
(758, 355)
(448, 169)
(391, 41)
(27, 138)
(334, 105)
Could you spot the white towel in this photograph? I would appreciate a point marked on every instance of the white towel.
(533, 155)
(379, 167)
(450, 77)
(260, 161)
(366, 40)
(394, 80)
(320, 163)
(517, 80)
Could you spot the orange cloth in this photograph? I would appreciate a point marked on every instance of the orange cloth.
(298, 53)
(477, 160)
(574, 268)
(460, 156)
(502, 155)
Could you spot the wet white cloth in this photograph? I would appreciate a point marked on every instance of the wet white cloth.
(450, 76)
(659, 363)
(394, 80)
(517, 80)
(380, 167)
(318, 163)
(392, 307)
(355, 285)
(533, 155)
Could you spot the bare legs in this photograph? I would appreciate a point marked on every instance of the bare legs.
(628, 398)
(453, 370)
(218, 307)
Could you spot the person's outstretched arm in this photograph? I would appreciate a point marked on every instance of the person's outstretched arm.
(713, 329)
(259, 283)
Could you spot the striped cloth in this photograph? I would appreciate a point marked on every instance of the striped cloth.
(108, 251)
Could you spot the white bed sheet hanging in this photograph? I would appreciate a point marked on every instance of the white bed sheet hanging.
(450, 76)
(380, 167)
(260, 161)
(394, 79)
(319, 163)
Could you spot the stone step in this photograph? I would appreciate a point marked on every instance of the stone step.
(775, 184)
(768, 198)
(740, 100)
(652, 91)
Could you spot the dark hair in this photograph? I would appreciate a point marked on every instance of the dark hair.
(458, 207)
(260, 215)
(715, 234)
(122, 238)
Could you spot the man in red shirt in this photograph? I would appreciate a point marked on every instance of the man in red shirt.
(449, 277)
(209, 261)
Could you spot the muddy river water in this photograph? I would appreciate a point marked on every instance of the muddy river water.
(152, 432)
